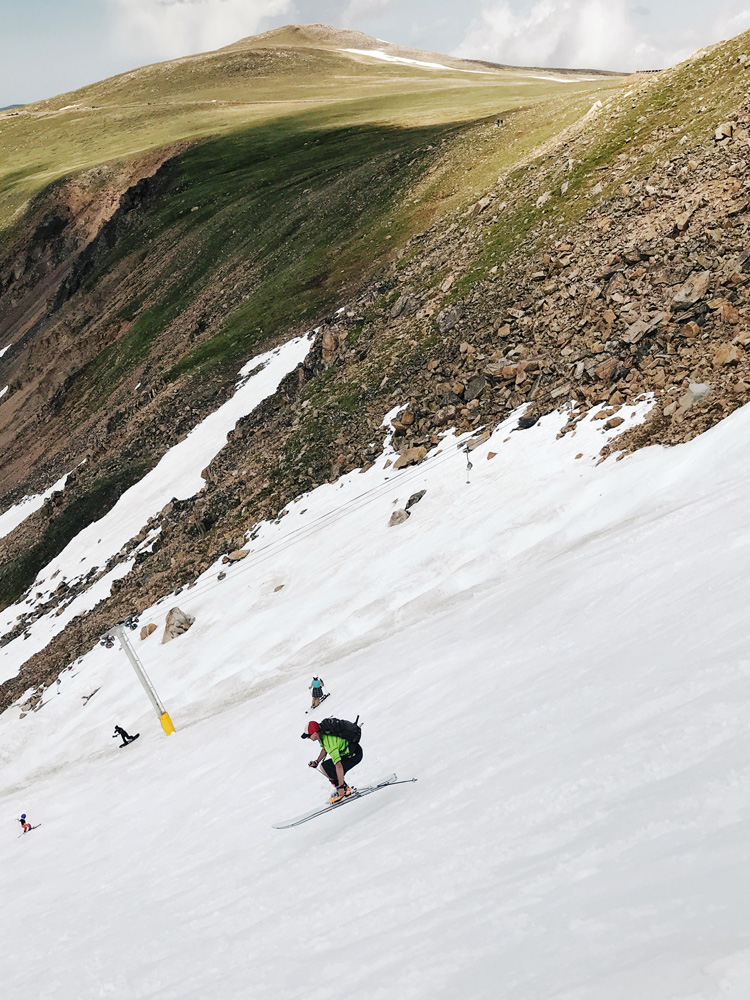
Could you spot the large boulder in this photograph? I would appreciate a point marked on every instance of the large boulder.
(398, 517)
(475, 388)
(448, 318)
(727, 354)
(235, 556)
(412, 456)
(405, 304)
(414, 498)
(177, 623)
(724, 131)
(693, 290)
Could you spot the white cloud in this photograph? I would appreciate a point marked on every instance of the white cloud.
(731, 21)
(593, 34)
(166, 29)
(357, 9)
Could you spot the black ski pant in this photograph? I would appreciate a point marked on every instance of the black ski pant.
(347, 763)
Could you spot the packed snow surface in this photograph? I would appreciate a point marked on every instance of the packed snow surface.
(556, 649)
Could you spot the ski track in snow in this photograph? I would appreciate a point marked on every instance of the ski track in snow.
(556, 649)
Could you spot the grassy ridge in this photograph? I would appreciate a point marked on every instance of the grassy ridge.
(229, 90)
(299, 209)
(636, 135)
(307, 172)
(304, 205)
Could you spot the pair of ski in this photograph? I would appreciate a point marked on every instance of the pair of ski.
(24, 832)
(320, 702)
(357, 793)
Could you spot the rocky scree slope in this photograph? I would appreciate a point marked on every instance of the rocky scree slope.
(611, 266)
(131, 292)
(120, 343)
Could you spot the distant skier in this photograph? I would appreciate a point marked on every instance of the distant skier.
(344, 755)
(120, 734)
(24, 823)
(317, 691)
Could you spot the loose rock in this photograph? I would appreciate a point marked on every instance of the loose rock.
(177, 623)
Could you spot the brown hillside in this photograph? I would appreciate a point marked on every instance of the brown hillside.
(608, 265)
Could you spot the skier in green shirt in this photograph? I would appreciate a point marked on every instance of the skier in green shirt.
(343, 757)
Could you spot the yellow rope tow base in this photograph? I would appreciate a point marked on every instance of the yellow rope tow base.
(166, 723)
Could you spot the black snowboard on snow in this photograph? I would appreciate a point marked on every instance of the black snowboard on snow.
(130, 740)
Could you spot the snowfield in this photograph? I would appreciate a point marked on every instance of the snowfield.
(13, 516)
(178, 474)
(385, 57)
(556, 649)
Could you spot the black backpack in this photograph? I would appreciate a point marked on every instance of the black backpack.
(350, 731)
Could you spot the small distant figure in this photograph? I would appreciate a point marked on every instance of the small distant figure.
(317, 691)
(24, 823)
(126, 738)
(500, 121)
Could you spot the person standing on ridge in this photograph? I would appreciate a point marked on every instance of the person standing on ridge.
(24, 823)
(317, 691)
(343, 755)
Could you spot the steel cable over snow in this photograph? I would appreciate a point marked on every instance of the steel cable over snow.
(330, 517)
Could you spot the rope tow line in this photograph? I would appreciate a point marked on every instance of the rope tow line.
(324, 520)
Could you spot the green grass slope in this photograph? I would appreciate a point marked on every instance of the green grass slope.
(278, 75)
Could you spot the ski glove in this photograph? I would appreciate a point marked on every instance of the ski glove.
(313, 763)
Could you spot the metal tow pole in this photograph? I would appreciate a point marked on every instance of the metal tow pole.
(118, 632)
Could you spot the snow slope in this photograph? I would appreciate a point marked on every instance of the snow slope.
(14, 515)
(556, 649)
(178, 474)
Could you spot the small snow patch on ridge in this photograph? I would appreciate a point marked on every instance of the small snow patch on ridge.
(14, 515)
(384, 57)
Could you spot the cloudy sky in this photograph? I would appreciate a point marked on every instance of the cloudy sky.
(48, 47)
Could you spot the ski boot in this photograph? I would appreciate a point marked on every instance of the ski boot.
(341, 792)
